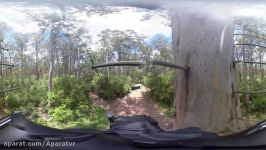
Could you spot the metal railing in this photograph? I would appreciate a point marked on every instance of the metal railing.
(140, 63)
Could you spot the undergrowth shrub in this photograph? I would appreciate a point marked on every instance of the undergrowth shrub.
(31, 93)
(111, 87)
(70, 106)
(258, 104)
(161, 87)
(68, 91)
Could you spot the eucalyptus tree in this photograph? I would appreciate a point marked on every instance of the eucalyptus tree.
(161, 44)
(3, 50)
(204, 95)
(21, 41)
(53, 24)
(78, 40)
(116, 45)
(38, 43)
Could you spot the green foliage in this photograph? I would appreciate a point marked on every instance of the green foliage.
(258, 104)
(11, 101)
(31, 93)
(95, 83)
(61, 114)
(170, 112)
(69, 104)
(97, 119)
(256, 85)
(161, 87)
(35, 93)
(68, 91)
(112, 87)
(259, 83)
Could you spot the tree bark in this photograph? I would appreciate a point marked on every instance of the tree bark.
(120, 69)
(1, 67)
(51, 60)
(50, 74)
(78, 64)
(69, 63)
(37, 60)
(261, 67)
(204, 96)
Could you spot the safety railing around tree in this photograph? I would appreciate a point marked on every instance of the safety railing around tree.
(249, 58)
(140, 63)
(2, 49)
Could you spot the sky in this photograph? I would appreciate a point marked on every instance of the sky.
(18, 18)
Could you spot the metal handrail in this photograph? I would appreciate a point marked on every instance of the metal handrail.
(140, 63)
(251, 45)
(4, 48)
(11, 65)
(250, 62)
(8, 90)
(250, 92)
(242, 34)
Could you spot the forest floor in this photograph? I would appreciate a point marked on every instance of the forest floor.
(137, 102)
(1, 114)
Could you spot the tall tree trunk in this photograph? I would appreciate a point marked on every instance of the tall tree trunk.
(119, 59)
(65, 62)
(261, 67)
(37, 61)
(204, 95)
(1, 66)
(22, 62)
(51, 60)
(108, 61)
(69, 63)
(51, 71)
(78, 64)
(244, 80)
(10, 62)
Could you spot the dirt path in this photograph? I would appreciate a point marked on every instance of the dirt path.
(137, 102)
(1, 115)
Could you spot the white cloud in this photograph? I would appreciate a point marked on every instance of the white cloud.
(258, 10)
(16, 16)
(126, 19)
(18, 21)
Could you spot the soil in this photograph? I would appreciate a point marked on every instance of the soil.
(137, 102)
(1, 114)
